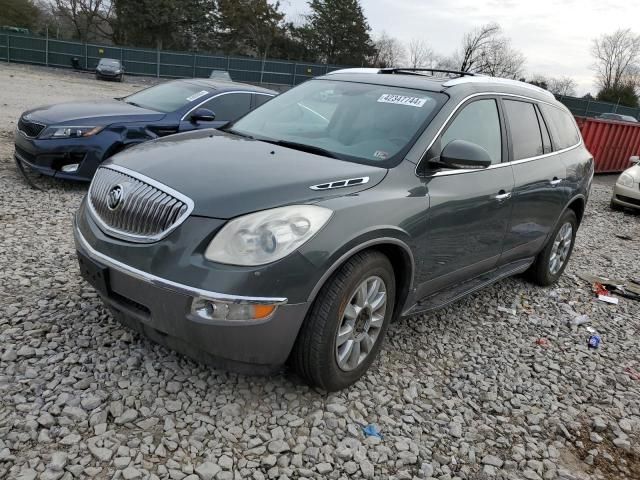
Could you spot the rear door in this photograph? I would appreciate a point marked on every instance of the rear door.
(540, 192)
(469, 210)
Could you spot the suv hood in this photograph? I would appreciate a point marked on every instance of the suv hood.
(227, 175)
(96, 113)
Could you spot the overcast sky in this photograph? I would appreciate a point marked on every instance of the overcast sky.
(554, 35)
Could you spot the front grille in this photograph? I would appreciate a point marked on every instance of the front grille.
(30, 129)
(624, 198)
(132, 207)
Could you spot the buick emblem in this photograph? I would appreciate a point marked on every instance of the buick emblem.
(115, 196)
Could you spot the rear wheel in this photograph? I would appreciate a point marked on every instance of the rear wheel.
(553, 259)
(344, 330)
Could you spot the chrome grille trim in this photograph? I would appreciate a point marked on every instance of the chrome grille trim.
(148, 212)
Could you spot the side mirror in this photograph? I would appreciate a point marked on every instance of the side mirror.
(635, 159)
(202, 115)
(463, 154)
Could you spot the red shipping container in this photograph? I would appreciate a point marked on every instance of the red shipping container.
(611, 143)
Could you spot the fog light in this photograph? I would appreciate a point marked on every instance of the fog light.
(70, 168)
(211, 310)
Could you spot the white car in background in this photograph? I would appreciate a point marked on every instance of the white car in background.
(626, 192)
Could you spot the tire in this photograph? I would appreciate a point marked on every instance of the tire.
(542, 272)
(315, 353)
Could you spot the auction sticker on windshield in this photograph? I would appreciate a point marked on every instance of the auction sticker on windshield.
(196, 96)
(402, 100)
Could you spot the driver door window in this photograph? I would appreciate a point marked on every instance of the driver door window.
(229, 106)
(479, 123)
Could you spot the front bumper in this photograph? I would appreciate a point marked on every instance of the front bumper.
(47, 157)
(626, 196)
(160, 309)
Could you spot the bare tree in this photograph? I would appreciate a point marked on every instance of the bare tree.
(389, 51)
(486, 50)
(420, 54)
(85, 15)
(617, 59)
(565, 86)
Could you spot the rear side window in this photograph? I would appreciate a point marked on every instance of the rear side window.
(229, 106)
(477, 123)
(525, 130)
(259, 99)
(563, 128)
(546, 138)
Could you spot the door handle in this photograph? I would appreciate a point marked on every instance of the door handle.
(502, 195)
(556, 181)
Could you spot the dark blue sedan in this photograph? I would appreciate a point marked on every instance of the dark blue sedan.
(70, 140)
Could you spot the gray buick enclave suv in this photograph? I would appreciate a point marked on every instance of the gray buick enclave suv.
(299, 232)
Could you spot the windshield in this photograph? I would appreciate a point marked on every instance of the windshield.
(168, 97)
(107, 62)
(364, 123)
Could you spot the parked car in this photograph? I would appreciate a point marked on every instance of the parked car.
(300, 231)
(70, 140)
(626, 192)
(109, 69)
(617, 117)
(220, 75)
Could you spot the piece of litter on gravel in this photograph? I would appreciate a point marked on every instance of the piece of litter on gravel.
(543, 342)
(579, 320)
(623, 237)
(371, 431)
(591, 330)
(511, 311)
(608, 299)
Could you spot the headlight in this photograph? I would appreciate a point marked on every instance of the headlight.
(625, 180)
(70, 132)
(267, 236)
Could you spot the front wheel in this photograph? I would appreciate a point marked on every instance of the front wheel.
(553, 259)
(345, 328)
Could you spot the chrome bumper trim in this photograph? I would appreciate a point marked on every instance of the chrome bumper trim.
(164, 283)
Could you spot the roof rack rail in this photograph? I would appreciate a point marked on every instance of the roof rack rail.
(416, 71)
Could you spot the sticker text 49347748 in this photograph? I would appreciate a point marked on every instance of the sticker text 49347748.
(402, 100)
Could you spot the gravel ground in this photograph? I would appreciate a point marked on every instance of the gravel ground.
(462, 393)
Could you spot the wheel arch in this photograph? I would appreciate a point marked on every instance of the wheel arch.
(578, 205)
(402, 262)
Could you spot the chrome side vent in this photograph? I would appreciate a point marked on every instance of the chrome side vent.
(350, 182)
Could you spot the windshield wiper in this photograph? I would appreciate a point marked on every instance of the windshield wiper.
(134, 104)
(303, 147)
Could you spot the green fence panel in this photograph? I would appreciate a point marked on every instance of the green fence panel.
(61, 53)
(27, 50)
(3, 47)
(592, 108)
(139, 61)
(177, 65)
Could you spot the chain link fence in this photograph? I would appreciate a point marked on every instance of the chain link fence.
(47, 51)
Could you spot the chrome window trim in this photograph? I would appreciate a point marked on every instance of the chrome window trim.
(220, 95)
(498, 165)
(150, 181)
(168, 284)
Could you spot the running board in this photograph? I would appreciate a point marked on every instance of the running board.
(446, 297)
